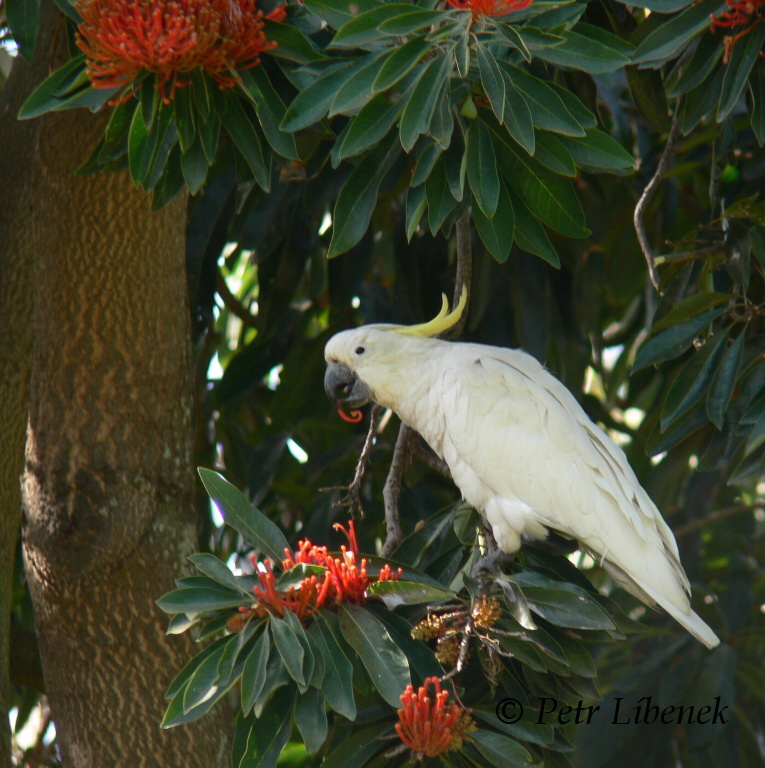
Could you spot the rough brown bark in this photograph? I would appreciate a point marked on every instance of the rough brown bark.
(17, 254)
(108, 482)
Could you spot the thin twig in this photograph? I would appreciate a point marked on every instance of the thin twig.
(402, 451)
(648, 192)
(233, 304)
(679, 256)
(429, 457)
(713, 517)
(352, 498)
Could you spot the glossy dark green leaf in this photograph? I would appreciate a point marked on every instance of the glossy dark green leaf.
(599, 150)
(218, 571)
(690, 307)
(256, 529)
(568, 606)
(23, 17)
(527, 728)
(395, 593)
(270, 733)
(416, 202)
(198, 599)
(662, 6)
(582, 52)
(646, 88)
(209, 133)
(667, 40)
(339, 12)
(412, 21)
(442, 123)
(441, 201)
(492, 80)
(270, 110)
(357, 749)
(204, 678)
(185, 118)
(419, 109)
(338, 671)
(746, 53)
(427, 155)
(312, 104)
(551, 152)
(547, 108)
(511, 35)
(551, 198)
(529, 234)
(694, 379)
(482, 168)
(692, 72)
(182, 678)
(311, 719)
(399, 63)
(243, 133)
(518, 118)
(659, 441)
(675, 340)
(364, 28)
(356, 91)
(254, 671)
(702, 100)
(497, 232)
(385, 663)
(294, 624)
(724, 381)
(44, 98)
(757, 103)
(194, 166)
(456, 168)
(756, 437)
(290, 650)
(291, 43)
(370, 125)
(117, 132)
(501, 751)
(357, 198)
(575, 107)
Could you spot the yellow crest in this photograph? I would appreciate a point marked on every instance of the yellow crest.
(440, 323)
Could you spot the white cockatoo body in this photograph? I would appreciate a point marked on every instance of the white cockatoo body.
(520, 449)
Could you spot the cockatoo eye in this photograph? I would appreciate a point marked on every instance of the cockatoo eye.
(360, 350)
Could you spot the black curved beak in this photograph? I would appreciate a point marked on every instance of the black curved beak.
(344, 388)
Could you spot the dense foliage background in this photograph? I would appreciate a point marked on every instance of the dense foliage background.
(326, 189)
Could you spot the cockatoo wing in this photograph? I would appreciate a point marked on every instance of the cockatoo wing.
(522, 450)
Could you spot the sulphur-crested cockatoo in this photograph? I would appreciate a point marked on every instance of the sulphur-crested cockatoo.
(519, 447)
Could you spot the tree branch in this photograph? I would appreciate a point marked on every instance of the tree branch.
(713, 517)
(233, 304)
(648, 193)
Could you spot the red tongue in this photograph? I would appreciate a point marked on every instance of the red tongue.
(353, 417)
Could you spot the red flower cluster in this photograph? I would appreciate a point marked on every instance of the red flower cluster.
(739, 13)
(431, 727)
(343, 581)
(489, 7)
(170, 38)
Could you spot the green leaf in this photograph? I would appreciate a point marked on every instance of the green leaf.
(311, 719)
(427, 155)
(667, 40)
(419, 109)
(23, 17)
(441, 202)
(310, 105)
(497, 232)
(501, 751)
(582, 52)
(662, 6)
(356, 91)
(371, 125)
(411, 21)
(291, 43)
(551, 152)
(209, 133)
(442, 123)
(270, 110)
(210, 566)
(239, 126)
(482, 168)
(338, 12)
(492, 80)
(386, 664)
(690, 307)
(746, 53)
(201, 684)
(292, 621)
(455, 165)
(358, 197)
(338, 671)
(694, 379)
(182, 678)
(399, 63)
(254, 671)
(395, 593)
(690, 73)
(416, 201)
(724, 381)
(356, 749)
(117, 132)
(199, 599)
(185, 121)
(672, 342)
(658, 441)
(702, 100)
(511, 36)
(518, 118)
(255, 528)
(547, 108)
(290, 650)
(270, 733)
(756, 437)
(598, 150)
(530, 234)
(44, 98)
(646, 87)
(194, 166)
(568, 606)
(364, 28)
(551, 198)
(757, 107)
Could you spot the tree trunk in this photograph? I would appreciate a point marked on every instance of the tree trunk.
(108, 483)
(17, 256)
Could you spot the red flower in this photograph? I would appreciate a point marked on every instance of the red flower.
(170, 38)
(431, 727)
(343, 581)
(489, 7)
(746, 13)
